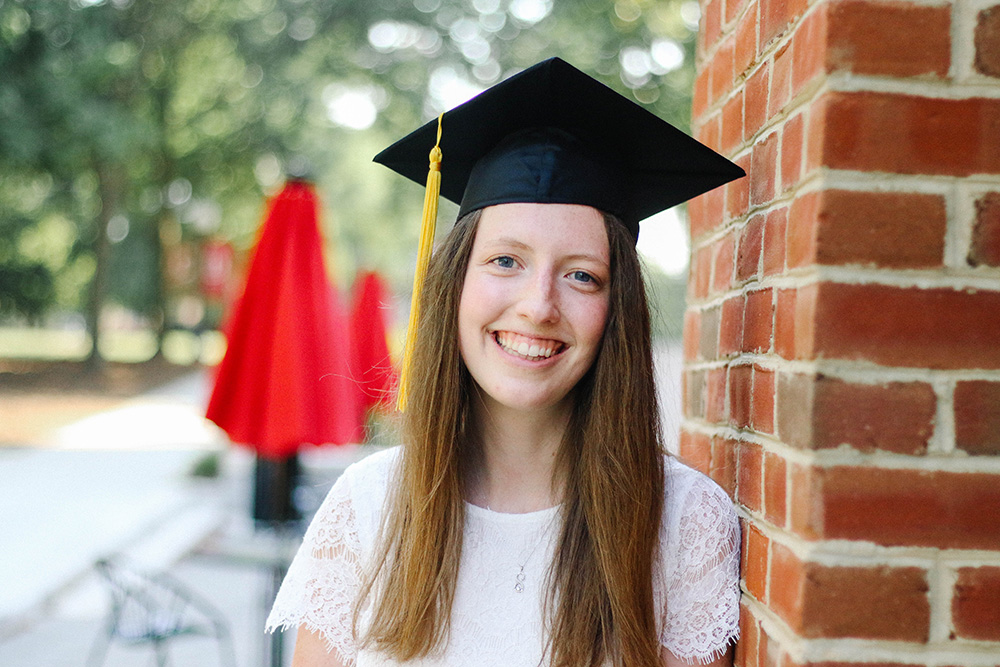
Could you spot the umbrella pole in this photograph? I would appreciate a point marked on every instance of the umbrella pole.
(274, 510)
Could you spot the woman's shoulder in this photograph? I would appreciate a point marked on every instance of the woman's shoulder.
(691, 497)
(681, 478)
(370, 475)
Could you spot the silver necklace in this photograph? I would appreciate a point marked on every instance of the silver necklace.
(520, 577)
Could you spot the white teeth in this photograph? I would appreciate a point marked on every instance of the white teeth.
(525, 349)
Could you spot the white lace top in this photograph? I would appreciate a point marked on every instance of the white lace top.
(695, 587)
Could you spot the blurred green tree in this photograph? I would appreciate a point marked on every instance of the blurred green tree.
(126, 125)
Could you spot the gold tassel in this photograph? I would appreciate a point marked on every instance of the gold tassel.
(427, 224)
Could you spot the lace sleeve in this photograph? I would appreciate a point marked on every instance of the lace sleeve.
(703, 582)
(324, 578)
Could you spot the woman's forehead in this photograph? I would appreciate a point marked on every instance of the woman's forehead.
(568, 228)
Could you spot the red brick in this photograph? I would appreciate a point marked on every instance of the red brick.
(869, 131)
(695, 449)
(748, 476)
(733, 8)
(794, 402)
(693, 391)
(738, 192)
(715, 396)
(805, 501)
(977, 417)
(975, 607)
(706, 212)
(747, 647)
(773, 19)
(814, 135)
(775, 491)
(697, 220)
(808, 51)
(987, 42)
(723, 467)
(763, 170)
(709, 343)
(748, 255)
(711, 20)
(801, 234)
(723, 263)
(700, 98)
(774, 241)
(762, 416)
(755, 569)
(692, 320)
(819, 412)
(887, 603)
(701, 272)
(787, 581)
(769, 651)
(746, 43)
(802, 325)
(794, 316)
(781, 81)
(887, 229)
(756, 114)
(906, 326)
(740, 395)
(797, 8)
(901, 507)
(731, 327)
(791, 151)
(758, 321)
(889, 38)
(985, 248)
(722, 69)
(732, 124)
(710, 132)
(896, 416)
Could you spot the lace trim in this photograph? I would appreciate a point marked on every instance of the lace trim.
(703, 590)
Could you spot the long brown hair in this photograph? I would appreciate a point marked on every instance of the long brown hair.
(600, 601)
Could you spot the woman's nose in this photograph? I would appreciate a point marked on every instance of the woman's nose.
(539, 301)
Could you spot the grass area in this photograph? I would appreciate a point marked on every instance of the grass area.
(180, 347)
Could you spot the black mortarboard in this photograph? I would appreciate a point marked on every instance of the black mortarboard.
(552, 134)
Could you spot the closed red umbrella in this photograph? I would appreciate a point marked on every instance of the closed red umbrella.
(371, 363)
(285, 378)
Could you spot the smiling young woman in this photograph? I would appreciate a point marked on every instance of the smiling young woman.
(532, 516)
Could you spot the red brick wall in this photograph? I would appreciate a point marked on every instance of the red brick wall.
(842, 335)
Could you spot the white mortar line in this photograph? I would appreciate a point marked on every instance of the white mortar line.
(943, 439)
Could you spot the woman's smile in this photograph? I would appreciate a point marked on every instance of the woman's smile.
(527, 347)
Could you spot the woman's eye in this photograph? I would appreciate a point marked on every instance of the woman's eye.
(582, 276)
(504, 262)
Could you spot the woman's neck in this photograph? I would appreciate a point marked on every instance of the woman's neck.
(516, 470)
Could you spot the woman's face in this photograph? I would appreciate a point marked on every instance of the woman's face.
(534, 302)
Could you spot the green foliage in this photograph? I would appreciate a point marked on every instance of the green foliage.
(116, 115)
(26, 290)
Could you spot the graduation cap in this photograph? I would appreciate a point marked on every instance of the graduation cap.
(552, 134)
